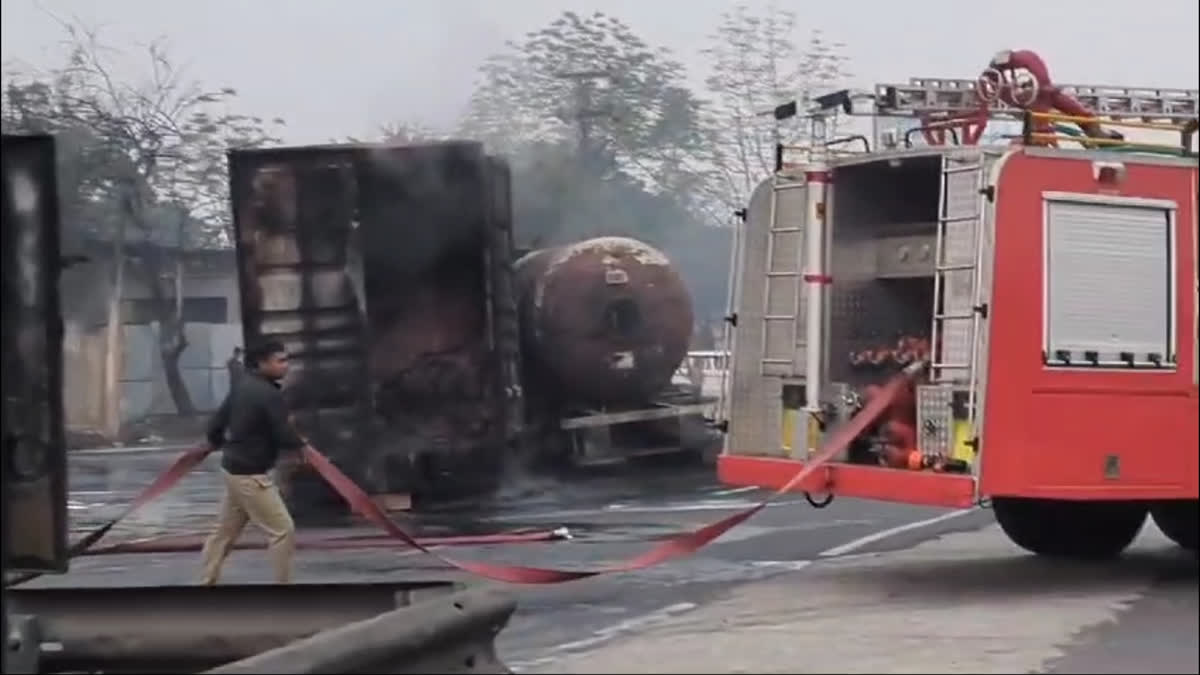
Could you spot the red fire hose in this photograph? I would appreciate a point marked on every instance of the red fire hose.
(195, 542)
(670, 549)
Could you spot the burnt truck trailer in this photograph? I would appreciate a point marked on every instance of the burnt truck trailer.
(386, 271)
(35, 460)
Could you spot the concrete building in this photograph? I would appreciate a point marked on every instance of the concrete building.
(211, 315)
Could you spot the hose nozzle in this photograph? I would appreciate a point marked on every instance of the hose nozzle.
(915, 368)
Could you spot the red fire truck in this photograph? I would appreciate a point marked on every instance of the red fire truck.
(1045, 280)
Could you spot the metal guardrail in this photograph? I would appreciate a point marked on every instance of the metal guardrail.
(455, 634)
(376, 627)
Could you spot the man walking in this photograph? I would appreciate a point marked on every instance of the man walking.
(236, 367)
(252, 429)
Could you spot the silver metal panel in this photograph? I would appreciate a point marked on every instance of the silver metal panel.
(935, 419)
(994, 164)
(748, 305)
(756, 417)
(784, 298)
(868, 314)
(904, 256)
(755, 400)
(1108, 281)
(862, 314)
(962, 201)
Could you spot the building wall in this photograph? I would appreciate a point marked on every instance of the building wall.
(202, 365)
(212, 333)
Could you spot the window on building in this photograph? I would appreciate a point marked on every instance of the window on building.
(1109, 282)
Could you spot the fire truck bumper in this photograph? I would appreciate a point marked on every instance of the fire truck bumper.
(850, 480)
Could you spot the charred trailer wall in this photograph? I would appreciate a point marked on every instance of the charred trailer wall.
(437, 244)
(374, 265)
(35, 471)
(294, 220)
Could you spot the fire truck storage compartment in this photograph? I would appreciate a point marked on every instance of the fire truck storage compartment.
(883, 242)
(884, 248)
(374, 266)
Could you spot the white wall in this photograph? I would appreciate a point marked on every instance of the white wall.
(85, 289)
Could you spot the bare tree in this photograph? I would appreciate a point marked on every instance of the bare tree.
(756, 64)
(401, 132)
(149, 173)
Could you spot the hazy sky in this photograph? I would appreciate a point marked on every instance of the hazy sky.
(333, 68)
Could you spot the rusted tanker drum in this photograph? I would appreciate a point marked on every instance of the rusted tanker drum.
(605, 321)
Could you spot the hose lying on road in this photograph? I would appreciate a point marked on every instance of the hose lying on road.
(195, 542)
(672, 548)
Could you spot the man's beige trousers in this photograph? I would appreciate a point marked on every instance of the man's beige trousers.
(253, 499)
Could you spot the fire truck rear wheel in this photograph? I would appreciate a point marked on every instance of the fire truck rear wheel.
(1070, 529)
(1179, 520)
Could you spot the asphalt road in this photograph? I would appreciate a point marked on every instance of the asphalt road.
(792, 565)
(964, 602)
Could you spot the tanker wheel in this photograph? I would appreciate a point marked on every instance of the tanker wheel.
(1070, 529)
(1179, 520)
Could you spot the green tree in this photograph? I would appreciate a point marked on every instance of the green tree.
(142, 166)
(593, 82)
(756, 64)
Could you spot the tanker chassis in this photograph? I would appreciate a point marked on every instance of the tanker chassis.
(1046, 293)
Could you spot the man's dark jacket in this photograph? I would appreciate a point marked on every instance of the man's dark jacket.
(251, 427)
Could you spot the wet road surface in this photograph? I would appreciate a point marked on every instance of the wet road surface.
(586, 626)
(965, 602)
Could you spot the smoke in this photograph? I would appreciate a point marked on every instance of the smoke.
(420, 201)
(558, 201)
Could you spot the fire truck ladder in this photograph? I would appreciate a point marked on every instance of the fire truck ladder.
(792, 270)
(922, 95)
(946, 263)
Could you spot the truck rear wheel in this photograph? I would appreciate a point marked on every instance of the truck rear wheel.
(1179, 520)
(1070, 529)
